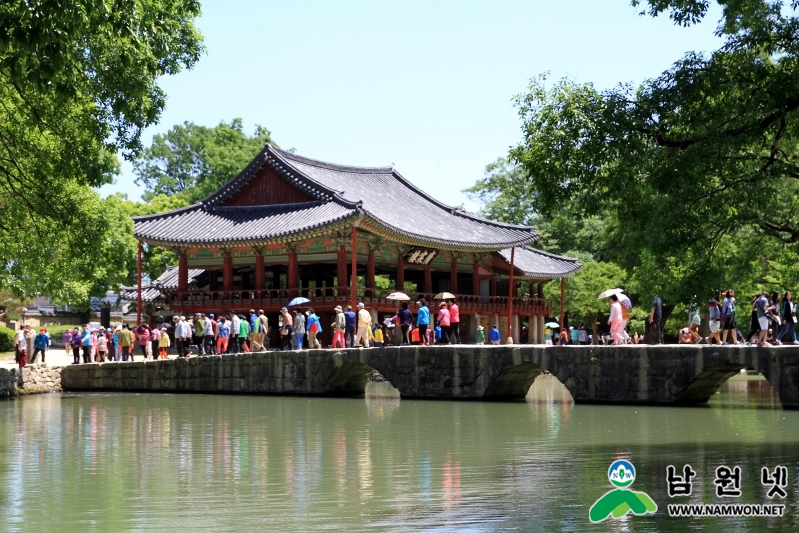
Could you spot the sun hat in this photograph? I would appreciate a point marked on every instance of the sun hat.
(212, 315)
(283, 310)
(479, 328)
(338, 308)
(360, 305)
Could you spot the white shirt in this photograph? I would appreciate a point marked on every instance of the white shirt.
(615, 312)
(21, 340)
(235, 325)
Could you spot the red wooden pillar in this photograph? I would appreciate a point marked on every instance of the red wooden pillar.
(400, 281)
(341, 273)
(453, 276)
(293, 274)
(183, 273)
(138, 292)
(227, 272)
(476, 278)
(428, 280)
(370, 272)
(511, 292)
(562, 296)
(541, 289)
(259, 270)
(354, 285)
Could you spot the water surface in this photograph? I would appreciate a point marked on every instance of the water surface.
(160, 462)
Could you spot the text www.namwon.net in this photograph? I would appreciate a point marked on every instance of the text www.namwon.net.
(732, 509)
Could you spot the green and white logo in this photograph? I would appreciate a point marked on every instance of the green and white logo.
(620, 501)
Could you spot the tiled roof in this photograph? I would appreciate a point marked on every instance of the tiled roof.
(395, 204)
(151, 291)
(199, 224)
(390, 205)
(537, 264)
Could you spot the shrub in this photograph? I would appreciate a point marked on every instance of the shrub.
(6, 339)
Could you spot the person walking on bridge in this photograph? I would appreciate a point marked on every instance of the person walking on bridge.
(364, 325)
(222, 336)
(423, 320)
(126, 342)
(616, 320)
(788, 313)
(728, 316)
(340, 325)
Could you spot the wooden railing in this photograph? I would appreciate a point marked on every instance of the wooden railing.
(330, 297)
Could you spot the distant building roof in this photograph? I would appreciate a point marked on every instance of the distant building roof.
(539, 265)
(168, 281)
(385, 201)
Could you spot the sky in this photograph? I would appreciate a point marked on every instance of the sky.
(424, 85)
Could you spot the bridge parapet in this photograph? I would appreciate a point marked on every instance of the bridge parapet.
(654, 375)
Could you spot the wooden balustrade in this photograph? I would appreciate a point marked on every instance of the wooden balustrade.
(273, 299)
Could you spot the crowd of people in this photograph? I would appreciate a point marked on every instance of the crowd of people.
(772, 320)
(209, 334)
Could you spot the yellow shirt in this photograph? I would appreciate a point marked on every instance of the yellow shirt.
(378, 335)
(163, 341)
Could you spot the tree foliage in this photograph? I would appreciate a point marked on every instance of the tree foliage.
(78, 85)
(582, 289)
(695, 173)
(191, 161)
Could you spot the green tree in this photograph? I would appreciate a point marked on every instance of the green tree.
(560, 229)
(78, 85)
(191, 161)
(582, 289)
(697, 168)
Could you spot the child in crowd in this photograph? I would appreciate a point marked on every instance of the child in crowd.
(495, 337)
(481, 336)
(163, 344)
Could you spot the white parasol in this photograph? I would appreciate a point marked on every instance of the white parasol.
(610, 292)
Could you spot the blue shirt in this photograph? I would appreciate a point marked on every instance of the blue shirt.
(495, 335)
(423, 316)
(349, 319)
(255, 322)
(86, 338)
(314, 319)
(41, 340)
(222, 330)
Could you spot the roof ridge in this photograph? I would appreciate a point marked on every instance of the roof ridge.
(455, 210)
(268, 206)
(550, 254)
(172, 212)
(331, 166)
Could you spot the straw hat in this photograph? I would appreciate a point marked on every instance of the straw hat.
(338, 308)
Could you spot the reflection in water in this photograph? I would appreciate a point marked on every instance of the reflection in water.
(121, 462)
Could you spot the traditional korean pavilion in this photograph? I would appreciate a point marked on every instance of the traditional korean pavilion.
(290, 226)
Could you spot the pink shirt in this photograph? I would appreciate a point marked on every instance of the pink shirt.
(454, 313)
(443, 317)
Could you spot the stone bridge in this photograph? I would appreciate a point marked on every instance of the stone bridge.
(655, 375)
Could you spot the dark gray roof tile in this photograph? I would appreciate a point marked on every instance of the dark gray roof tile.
(200, 225)
(537, 264)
